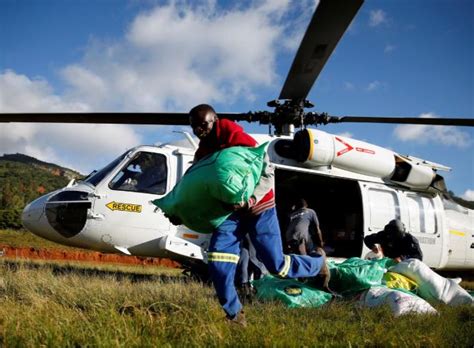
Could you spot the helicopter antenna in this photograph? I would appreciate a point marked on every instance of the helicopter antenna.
(189, 138)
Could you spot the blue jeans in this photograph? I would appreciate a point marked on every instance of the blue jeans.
(264, 232)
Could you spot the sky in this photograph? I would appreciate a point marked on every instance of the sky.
(411, 58)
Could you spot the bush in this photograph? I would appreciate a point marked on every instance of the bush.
(10, 219)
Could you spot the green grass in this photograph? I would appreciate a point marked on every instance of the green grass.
(23, 238)
(63, 305)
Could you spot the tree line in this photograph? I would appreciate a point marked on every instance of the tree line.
(21, 183)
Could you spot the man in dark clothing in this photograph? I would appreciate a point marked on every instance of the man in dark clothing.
(395, 242)
(249, 267)
(303, 234)
(304, 237)
(257, 217)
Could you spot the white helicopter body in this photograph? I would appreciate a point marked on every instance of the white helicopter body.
(355, 187)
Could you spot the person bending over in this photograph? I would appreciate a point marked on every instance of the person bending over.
(395, 242)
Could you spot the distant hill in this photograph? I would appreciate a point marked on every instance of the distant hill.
(51, 167)
(461, 201)
(23, 179)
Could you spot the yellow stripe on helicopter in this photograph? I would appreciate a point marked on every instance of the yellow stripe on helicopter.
(457, 233)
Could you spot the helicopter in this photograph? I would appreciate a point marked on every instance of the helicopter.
(356, 187)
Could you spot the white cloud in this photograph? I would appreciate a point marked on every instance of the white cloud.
(177, 55)
(423, 134)
(170, 58)
(389, 48)
(174, 56)
(80, 147)
(20, 93)
(295, 26)
(346, 134)
(468, 195)
(374, 85)
(349, 86)
(377, 17)
(89, 145)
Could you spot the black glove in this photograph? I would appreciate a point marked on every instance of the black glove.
(242, 206)
(234, 207)
(174, 220)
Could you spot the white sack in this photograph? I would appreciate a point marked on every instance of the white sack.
(400, 302)
(431, 286)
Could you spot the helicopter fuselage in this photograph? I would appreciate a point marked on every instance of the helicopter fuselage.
(355, 195)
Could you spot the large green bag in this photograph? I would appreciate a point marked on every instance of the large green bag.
(354, 274)
(292, 293)
(227, 176)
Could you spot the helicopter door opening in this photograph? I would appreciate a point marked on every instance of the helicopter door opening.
(337, 202)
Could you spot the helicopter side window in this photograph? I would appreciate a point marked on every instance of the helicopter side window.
(146, 172)
(422, 214)
(384, 207)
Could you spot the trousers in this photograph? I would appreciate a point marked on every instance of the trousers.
(249, 266)
(264, 232)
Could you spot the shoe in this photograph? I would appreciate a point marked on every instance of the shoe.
(246, 293)
(238, 319)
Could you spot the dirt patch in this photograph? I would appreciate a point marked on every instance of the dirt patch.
(90, 256)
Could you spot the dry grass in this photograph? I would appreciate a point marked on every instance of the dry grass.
(23, 238)
(62, 305)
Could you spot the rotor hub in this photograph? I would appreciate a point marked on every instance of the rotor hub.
(288, 113)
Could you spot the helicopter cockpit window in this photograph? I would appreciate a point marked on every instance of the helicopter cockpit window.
(146, 173)
(95, 178)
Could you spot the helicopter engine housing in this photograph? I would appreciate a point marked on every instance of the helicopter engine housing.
(316, 148)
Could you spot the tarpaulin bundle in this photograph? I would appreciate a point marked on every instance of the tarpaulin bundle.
(227, 176)
(431, 286)
(355, 274)
(290, 292)
(398, 281)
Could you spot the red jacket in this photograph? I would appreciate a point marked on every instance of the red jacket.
(226, 133)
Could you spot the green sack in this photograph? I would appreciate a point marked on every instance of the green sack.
(228, 176)
(292, 293)
(355, 274)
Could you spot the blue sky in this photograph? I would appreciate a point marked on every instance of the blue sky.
(398, 58)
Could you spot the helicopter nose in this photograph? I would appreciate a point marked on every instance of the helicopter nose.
(57, 216)
(33, 214)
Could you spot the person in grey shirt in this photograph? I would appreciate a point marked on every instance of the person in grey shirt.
(303, 234)
(304, 237)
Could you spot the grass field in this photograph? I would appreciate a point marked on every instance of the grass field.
(64, 305)
(71, 304)
(23, 238)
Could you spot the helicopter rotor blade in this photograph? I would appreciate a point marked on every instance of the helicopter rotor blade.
(98, 117)
(329, 22)
(314, 118)
(150, 118)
